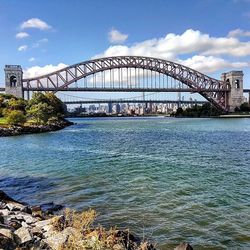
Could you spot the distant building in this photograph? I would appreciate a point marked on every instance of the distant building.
(92, 108)
(110, 107)
(118, 108)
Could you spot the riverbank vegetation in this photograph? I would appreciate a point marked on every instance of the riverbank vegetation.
(42, 113)
(206, 110)
(243, 109)
(41, 109)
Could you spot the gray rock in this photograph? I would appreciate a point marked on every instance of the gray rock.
(36, 231)
(29, 219)
(58, 239)
(14, 206)
(23, 217)
(7, 233)
(23, 235)
(43, 223)
(36, 208)
(6, 227)
(6, 243)
(26, 210)
(48, 231)
(40, 244)
(4, 212)
(14, 224)
(184, 246)
(2, 205)
(24, 224)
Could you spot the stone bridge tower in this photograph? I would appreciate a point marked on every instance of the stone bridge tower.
(13, 80)
(234, 80)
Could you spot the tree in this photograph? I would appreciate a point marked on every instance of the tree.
(37, 98)
(16, 117)
(40, 112)
(206, 110)
(57, 104)
(237, 109)
(244, 107)
(179, 112)
(42, 107)
(17, 104)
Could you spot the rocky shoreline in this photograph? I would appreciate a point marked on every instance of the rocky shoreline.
(33, 129)
(32, 227)
(25, 227)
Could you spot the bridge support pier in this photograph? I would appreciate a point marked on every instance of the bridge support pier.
(13, 80)
(234, 98)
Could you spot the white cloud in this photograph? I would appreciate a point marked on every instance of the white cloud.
(39, 71)
(40, 42)
(191, 41)
(238, 33)
(200, 50)
(209, 64)
(203, 48)
(32, 59)
(22, 48)
(35, 23)
(116, 36)
(21, 35)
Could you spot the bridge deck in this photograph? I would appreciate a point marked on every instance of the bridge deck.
(133, 101)
(126, 89)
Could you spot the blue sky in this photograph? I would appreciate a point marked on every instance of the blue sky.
(211, 36)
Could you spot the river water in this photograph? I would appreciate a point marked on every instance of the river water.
(169, 180)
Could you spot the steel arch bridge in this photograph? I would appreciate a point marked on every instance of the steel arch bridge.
(101, 71)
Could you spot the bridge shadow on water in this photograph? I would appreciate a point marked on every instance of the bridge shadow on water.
(27, 189)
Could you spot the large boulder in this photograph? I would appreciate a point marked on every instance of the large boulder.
(57, 240)
(23, 235)
(15, 206)
(7, 233)
(7, 239)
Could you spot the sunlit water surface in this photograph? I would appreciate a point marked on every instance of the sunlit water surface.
(168, 180)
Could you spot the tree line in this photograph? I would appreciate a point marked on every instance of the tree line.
(207, 110)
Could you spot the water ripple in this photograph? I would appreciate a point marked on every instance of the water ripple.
(169, 180)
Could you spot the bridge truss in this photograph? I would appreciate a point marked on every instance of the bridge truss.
(131, 74)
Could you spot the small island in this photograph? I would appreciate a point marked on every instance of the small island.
(42, 113)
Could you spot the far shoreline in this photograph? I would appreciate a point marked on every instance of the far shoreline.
(160, 116)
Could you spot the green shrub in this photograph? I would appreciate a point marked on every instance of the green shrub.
(16, 117)
(53, 120)
(237, 109)
(40, 112)
(17, 104)
(244, 107)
